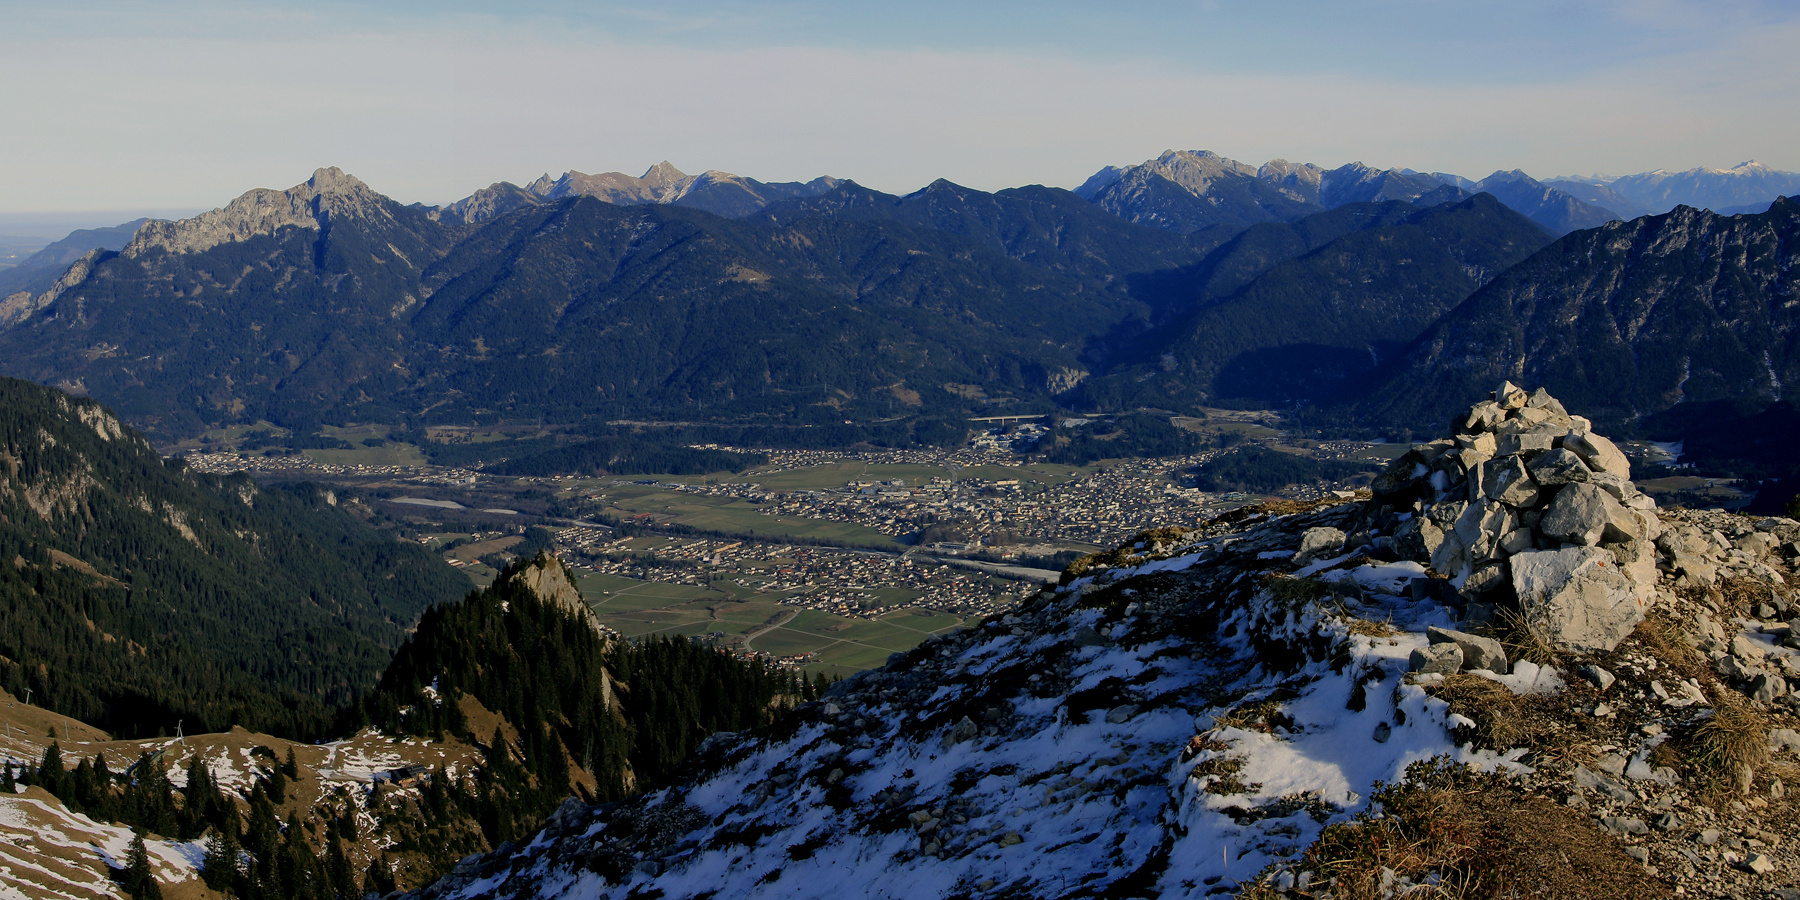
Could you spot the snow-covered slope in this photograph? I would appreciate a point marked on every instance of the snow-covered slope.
(1051, 751)
(1189, 713)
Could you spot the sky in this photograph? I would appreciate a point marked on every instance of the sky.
(110, 110)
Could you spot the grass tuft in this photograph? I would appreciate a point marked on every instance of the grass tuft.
(1732, 743)
(1511, 630)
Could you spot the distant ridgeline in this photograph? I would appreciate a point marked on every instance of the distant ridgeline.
(135, 594)
(905, 315)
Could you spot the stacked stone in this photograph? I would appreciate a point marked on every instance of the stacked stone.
(1525, 506)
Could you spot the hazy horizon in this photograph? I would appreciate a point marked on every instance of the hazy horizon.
(186, 105)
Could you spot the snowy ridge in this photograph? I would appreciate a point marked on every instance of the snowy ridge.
(1106, 738)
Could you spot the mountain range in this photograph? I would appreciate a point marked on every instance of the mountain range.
(1188, 280)
(716, 192)
(1627, 320)
(1191, 190)
(1745, 187)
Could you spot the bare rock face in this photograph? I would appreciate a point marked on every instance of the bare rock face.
(550, 579)
(328, 193)
(1525, 506)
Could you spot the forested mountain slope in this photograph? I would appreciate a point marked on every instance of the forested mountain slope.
(1626, 320)
(330, 300)
(137, 594)
(1294, 312)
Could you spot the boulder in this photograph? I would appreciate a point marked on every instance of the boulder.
(1483, 442)
(1541, 399)
(1559, 466)
(1510, 396)
(1598, 452)
(1517, 540)
(1507, 481)
(1483, 416)
(1319, 542)
(1417, 538)
(1576, 599)
(1437, 659)
(1477, 652)
(1579, 514)
(1526, 440)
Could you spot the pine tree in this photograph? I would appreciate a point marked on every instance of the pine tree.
(219, 869)
(50, 771)
(137, 878)
(380, 877)
(338, 873)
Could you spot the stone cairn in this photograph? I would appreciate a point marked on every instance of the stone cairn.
(1524, 508)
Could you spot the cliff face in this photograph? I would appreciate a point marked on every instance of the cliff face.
(312, 204)
(1212, 712)
(1623, 321)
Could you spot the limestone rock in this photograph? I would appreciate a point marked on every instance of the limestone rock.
(1580, 514)
(1558, 466)
(1437, 659)
(1576, 599)
(1510, 483)
(1319, 542)
(1599, 453)
(1477, 652)
(1510, 396)
(554, 583)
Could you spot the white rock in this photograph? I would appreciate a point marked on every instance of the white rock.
(1599, 453)
(1437, 659)
(1576, 599)
(1477, 652)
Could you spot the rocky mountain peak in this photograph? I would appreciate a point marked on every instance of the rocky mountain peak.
(663, 175)
(330, 192)
(553, 582)
(331, 179)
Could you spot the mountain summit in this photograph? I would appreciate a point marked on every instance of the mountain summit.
(329, 193)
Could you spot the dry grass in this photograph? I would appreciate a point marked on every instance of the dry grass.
(1290, 591)
(1370, 627)
(1503, 720)
(1732, 743)
(1662, 639)
(1480, 835)
(1736, 596)
(1221, 773)
(1263, 715)
(1519, 640)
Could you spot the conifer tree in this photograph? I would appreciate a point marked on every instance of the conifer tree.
(220, 867)
(137, 878)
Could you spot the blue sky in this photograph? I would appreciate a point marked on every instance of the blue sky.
(127, 106)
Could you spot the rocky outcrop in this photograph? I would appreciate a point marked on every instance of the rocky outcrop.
(553, 582)
(20, 306)
(1524, 507)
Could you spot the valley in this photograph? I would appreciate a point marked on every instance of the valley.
(665, 535)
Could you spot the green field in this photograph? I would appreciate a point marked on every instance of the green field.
(384, 455)
(732, 515)
(844, 645)
(834, 475)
